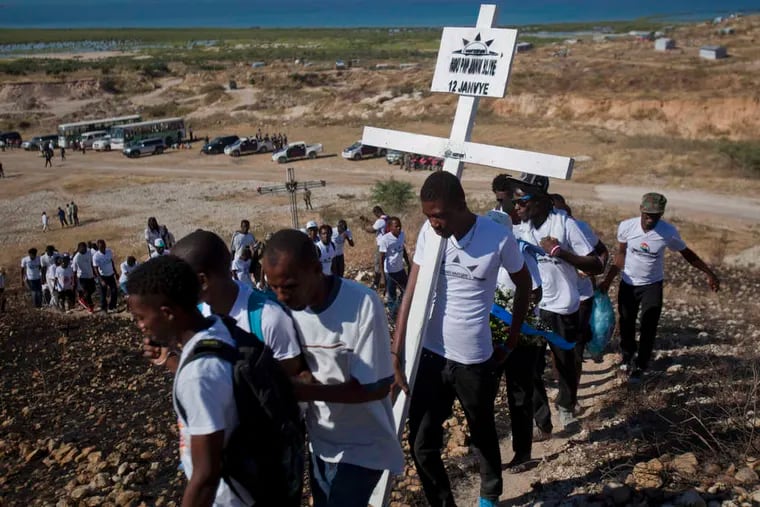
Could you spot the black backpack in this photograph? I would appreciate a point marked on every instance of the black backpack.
(265, 453)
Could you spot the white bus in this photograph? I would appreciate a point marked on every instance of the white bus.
(171, 130)
(69, 132)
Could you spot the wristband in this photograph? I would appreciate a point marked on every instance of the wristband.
(554, 251)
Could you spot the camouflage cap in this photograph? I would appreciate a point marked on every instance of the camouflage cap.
(653, 203)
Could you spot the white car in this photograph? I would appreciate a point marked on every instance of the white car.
(102, 144)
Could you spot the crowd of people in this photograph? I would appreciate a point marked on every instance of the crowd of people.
(330, 336)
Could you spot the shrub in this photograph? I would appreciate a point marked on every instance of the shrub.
(743, 154)
(392, 194)
(212, 87)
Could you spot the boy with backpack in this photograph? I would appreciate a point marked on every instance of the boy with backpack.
(229, 440)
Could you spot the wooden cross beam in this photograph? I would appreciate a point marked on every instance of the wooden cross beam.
(291, 186)
(472, 63)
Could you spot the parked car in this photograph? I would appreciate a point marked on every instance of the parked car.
(102, 144)
(297, 150)
(88, 138)
(358, 151)
(155, 146)
(37, 142)
(10, 138)
(248, 145)
(394, 157)
(218, 144)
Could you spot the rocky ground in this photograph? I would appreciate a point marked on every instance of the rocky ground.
(85, 421)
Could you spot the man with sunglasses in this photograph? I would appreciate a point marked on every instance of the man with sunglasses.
(565, 250)
(640, 257)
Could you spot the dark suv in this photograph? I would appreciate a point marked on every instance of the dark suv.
(10, 138)
(145, 147)
(218, 144)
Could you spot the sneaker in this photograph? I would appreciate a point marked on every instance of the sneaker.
(518, 464)
(566, 417)
(540, 435)
(482, 502)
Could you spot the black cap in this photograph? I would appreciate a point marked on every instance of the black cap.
(541, 182)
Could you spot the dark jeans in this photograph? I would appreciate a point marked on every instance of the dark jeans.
(518, 371)
(88, 289)
(584, 334)
(564, 361)
(439, 381)
(341, 484)
(647, 298)
(394, 281)
(111, 289)
(35, 288)
(339, 265)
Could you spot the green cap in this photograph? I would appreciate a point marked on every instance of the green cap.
(653, 203)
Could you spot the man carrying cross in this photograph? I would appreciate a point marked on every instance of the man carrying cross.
(458, 355)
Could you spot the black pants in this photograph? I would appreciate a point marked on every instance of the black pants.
(88, 289)
(439, 381)
(519, 371)
(110, 287)
(584, 334)
(339, 265)
(565, 362)
(647, 298)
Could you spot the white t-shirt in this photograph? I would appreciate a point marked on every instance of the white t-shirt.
(205, 390)
(50, 277)
(339, 240)
(276, 325)
(459, 324)
(585, 285)
(45, 219)
(559, 279)
(126, 269)
(45, 262)
(82, 262)
(240, 241)
(155, 253)
(393, 248)
(242, 269)
(33, 267)
(379, 227)
(326, 255)
(64, 278)
(349, 339)
(645, 254)
(151, 236)
(104, 262)
(505, 283)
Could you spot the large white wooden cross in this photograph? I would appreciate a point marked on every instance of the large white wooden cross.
(473, 63)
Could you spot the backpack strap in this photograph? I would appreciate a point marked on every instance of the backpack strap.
(256, 302)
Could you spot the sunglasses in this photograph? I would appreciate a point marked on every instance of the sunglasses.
(522, 201)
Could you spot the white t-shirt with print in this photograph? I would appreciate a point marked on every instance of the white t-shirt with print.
(276, 325)
(379, 227)
(326, 255)
(104, 262)
(459, 324)
(82, 263)
(126, 269)
(393, 248)
(64, 278)
(240, 241)
(559, 279)
(204, 389)
(645, 254)
(339, 240)
(32, 267)
(349, 339)
(585, 285)
(242, 268)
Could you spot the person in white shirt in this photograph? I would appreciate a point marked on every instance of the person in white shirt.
(241, 268)
(45, 221)
(105, 269)
(458, 359)
(312, 230)
(82, 264)
(341, 236)
(393, 256)
(46, 260)
(31, 276)
(152, 233)
(65, 281)
(378, 228)
(50, 285)
(326, 249)
(565, 250)
(159, 248)
(163, 301)
(346, 346)
(241, 239)
(125, 269)
(642, 242)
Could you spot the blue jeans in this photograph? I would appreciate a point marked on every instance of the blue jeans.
(341, 484)
(35, 287)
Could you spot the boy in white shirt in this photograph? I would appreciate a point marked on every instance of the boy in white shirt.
(378, 228)
(241, 239)
(392, 258)
(65, 281)
(126, 268)
(85, 272)
(105, 269)
(326, 249)
(45, 221)
(341, 236)
(241, 268)
(31, 276)
(347, 347)
(642, 242)
(50, 282)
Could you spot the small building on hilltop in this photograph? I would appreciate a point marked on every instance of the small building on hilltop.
(524, 46)
(664, 44)
(713, 52)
